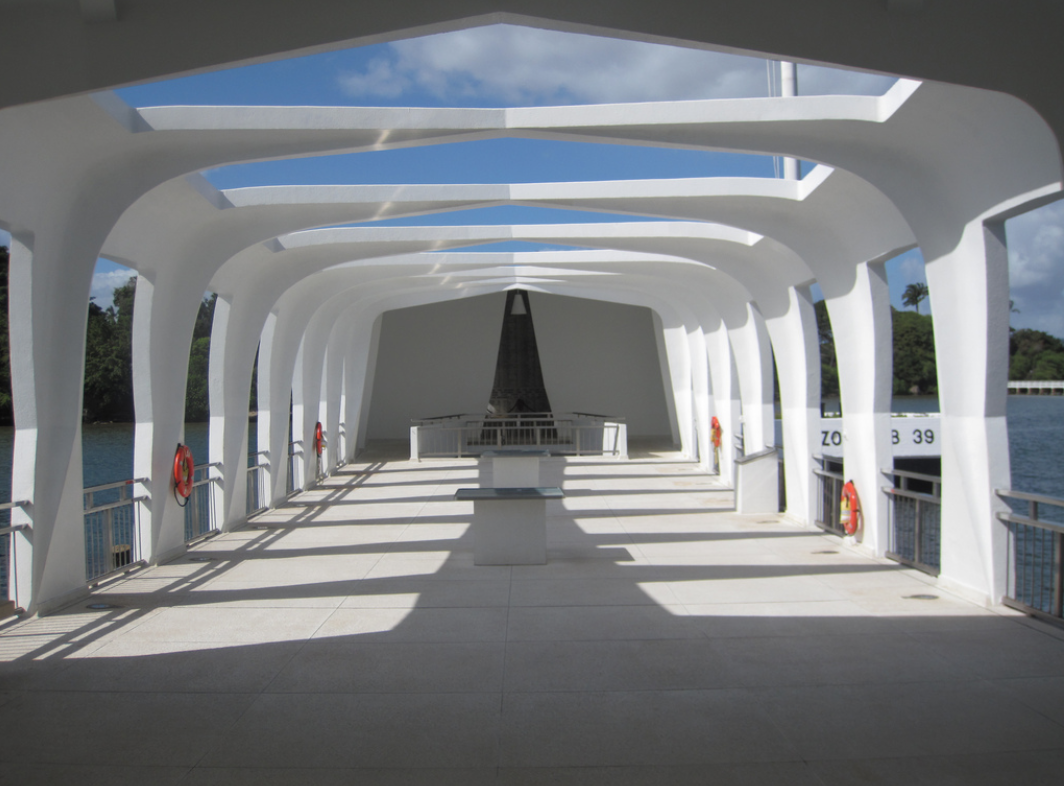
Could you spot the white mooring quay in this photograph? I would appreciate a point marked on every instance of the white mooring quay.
(1041, 388)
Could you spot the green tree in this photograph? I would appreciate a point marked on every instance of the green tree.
(1048, 366)
(914, 353)
(829, 364)
(914, 294)
(197, 392)
(108, 388)
(1035, 355)
(197, 385)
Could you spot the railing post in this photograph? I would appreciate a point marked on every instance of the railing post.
(1058, 574)
(917, 533)
(109, 537)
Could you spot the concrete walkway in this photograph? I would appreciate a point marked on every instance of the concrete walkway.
(348, 638)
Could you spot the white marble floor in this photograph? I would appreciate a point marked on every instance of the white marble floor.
(348, 638)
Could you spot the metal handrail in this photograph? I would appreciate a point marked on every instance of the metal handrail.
(1041, 499)
(1012, 518)
(933, 498)
(516, 416)
(118, 504)
(115, 485)
(1036, 564)
(824, 473)
(904, 473)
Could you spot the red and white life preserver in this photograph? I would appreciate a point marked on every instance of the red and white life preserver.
(715, 431)
(184, 468)
(849, 508)
(319, 439)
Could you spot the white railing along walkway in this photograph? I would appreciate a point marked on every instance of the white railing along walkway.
(576, 433)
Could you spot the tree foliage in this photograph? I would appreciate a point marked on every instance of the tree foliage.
(829, 364)
(914, 353)
(1036, 356)
(197, 388)
(914, 294)
(108, 390)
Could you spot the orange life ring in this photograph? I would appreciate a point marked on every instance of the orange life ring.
(184, 468)
(318, 439)
(716, 431)
(849, 508)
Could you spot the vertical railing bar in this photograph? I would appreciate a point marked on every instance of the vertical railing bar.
(917, 534)
(1058, 575)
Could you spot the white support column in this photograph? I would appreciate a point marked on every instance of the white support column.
(971, 347)
(164, 315)
(795, 342)
(322, 416)
(275, 391)
(753, 359)
(302, 436)
(230, 387)
(865, 356)
(725, 398)
(679, 367)
(366, 398)
(339, 339)
(663, 361)
(48, 290)
(701, 392)
(355, 373)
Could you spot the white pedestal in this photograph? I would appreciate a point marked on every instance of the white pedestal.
(510, 524)
(511, 469)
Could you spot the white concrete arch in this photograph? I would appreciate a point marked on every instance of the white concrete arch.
(941, 175)
(953, 177)
(314, 297)
(836, 223)
(982, 43)
(80, 163)
(755, 265)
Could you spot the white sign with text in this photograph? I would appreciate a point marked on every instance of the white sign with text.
(911, 435)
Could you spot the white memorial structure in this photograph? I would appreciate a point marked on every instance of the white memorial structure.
(970, 136)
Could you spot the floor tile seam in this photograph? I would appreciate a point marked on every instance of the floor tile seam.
(497, 749)
(1050, 630)
(813, 761)
(571, 640)
(107, 638)
(336, 692)
(958, 683)
(255, 696)
(758, 686)
(992, 683)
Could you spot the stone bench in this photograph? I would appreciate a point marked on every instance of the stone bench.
(509, 524)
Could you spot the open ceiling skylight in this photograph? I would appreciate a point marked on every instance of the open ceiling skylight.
(498, 65)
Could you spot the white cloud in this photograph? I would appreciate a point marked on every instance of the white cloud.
(104, 284)
(521, 65)
(818, 80)
(380, 79)
(1036, 268)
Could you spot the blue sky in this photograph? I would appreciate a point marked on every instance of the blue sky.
(513, 66)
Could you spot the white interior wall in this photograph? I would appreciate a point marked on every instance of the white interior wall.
(602, 358)
(439, 359)
(433, 360)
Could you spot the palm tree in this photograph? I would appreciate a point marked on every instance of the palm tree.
(913, 294)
